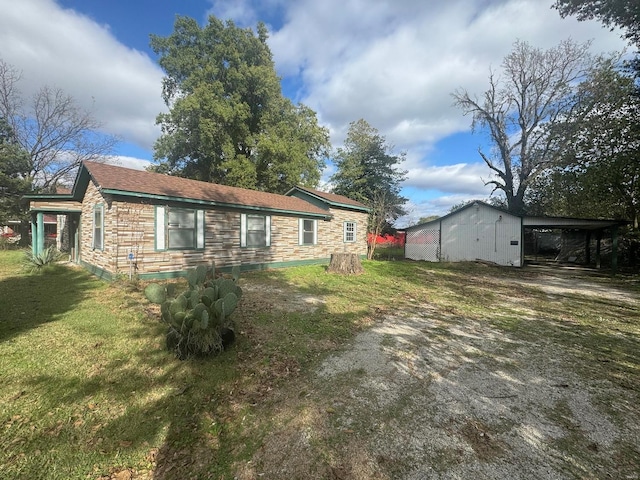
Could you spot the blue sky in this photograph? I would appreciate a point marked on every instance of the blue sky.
(392, 62)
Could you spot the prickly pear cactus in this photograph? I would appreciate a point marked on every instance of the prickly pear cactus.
(198, 318)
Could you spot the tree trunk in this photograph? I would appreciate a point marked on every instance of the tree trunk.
(345, 263)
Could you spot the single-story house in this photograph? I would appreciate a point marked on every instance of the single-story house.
(120, 219)
(479, 231)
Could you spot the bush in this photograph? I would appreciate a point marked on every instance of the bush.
(38, 262)
(199, 318)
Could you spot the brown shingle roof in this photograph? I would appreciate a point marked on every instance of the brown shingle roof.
(126, 180)
(333, 197)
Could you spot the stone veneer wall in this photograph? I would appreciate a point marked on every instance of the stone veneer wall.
(129, 228)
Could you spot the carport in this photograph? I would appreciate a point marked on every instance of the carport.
(591, 228)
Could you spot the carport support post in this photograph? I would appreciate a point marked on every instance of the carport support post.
(587, 248)
(598, 240)
(614, 250)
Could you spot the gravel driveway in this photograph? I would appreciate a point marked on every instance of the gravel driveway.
(423, 396)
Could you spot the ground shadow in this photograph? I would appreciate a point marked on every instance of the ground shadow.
(28, 301)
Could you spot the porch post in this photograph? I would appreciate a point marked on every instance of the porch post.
(40, 232)
(614, 250)
(598, 241)
(34, 243)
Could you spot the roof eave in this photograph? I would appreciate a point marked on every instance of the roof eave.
(211, 203)
(330, 202)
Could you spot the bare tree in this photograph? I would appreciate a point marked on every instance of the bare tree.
(382, 211)
(52, 128)
(534, 91)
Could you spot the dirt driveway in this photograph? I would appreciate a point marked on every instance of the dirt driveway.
(423, 395)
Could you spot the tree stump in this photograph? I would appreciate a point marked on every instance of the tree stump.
(345, 264)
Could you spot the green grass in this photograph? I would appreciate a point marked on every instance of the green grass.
(87, 388)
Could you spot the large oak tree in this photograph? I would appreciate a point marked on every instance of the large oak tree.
(228, 121)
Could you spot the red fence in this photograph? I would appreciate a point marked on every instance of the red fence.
(396, 240)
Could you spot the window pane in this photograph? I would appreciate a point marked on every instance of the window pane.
(97, 228)
(349, 232)
(181, 238)
(308, 225)
(182, 218)
(255, 222)
(307, 238)
(256, 239)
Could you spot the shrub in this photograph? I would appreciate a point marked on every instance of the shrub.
(199, 318)
(38, 262)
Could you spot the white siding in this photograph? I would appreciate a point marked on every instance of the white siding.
(481, 233)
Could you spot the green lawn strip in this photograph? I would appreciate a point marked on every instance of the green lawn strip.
(88, 388)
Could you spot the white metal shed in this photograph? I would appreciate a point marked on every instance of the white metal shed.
(477, 231)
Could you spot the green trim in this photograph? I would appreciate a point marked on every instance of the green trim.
(243, 268)
(48, 196)
(59, 211)
(97, 271)
(326, 201)
(39, 232)
(211, 203)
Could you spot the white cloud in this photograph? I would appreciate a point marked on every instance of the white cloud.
(468, 179)
(391, 62)
(396, 64)
(129, 162)
(61, 48)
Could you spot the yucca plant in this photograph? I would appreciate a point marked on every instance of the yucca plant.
(39, 261)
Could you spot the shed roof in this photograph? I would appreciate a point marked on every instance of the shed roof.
(530, 221)
(455, 212)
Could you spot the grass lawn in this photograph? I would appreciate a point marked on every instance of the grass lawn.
(88, 391)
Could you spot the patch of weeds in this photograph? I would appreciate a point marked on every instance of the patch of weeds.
(575, 445)
(388, 341)
(446, 458)
(626, 458)
(482, 439)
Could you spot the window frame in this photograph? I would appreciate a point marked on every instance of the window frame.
(302, 232)
(346, 232)
(244, 230)
(163, 228)
(97, 231)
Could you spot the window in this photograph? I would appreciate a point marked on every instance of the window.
(179, 228)
(255, 230)
(308, 232)
(349, 232)
(98, 228)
